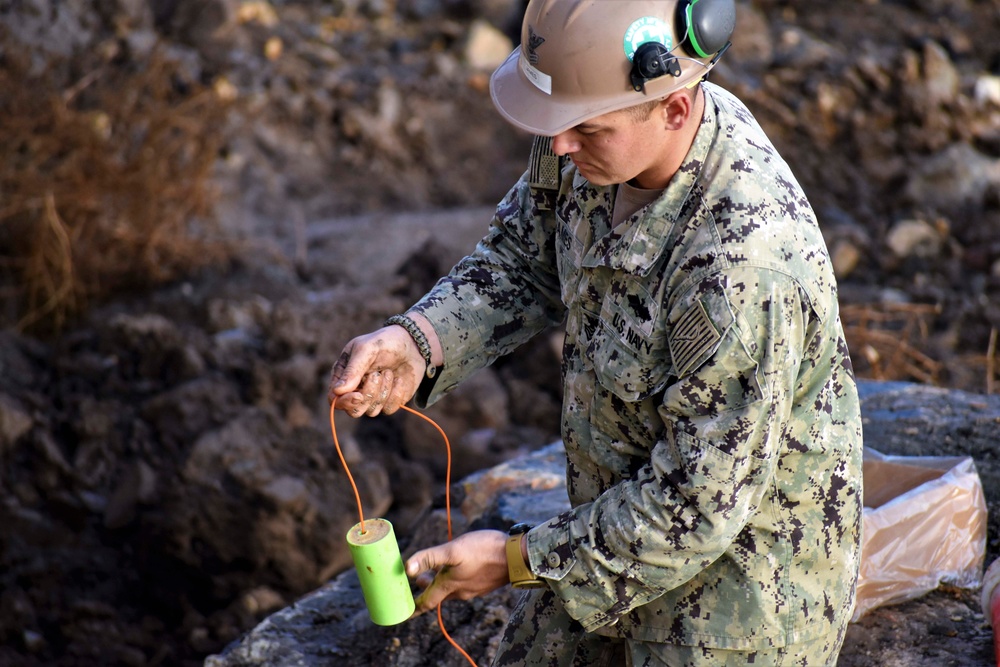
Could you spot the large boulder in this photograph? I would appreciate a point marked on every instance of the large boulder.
(330, 627)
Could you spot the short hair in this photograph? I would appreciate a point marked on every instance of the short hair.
(642, 111)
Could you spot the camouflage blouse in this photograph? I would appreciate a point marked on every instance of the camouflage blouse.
(710, 417)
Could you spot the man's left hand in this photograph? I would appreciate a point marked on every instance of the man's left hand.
(471, 565)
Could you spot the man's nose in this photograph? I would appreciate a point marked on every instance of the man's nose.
(564, 143)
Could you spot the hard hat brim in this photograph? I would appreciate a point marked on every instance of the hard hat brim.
(524, 105)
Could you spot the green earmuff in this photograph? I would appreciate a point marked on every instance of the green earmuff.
(706, 25)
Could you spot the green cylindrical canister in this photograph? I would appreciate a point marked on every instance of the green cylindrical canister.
(381, 572)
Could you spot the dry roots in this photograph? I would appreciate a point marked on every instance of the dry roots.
(103, 188)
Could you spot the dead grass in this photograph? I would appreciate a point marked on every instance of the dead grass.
(105, 186)
(886, 341)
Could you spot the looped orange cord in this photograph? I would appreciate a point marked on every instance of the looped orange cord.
(343, 462)
(447, 499)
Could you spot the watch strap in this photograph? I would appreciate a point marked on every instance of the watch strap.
(518, 571)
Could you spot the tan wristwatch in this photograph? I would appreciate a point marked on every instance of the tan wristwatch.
(519, 572)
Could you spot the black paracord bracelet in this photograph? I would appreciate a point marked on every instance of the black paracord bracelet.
(418, 337)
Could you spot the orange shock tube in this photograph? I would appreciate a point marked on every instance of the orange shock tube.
(376, 556)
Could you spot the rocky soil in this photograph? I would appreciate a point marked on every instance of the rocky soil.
(168, 477)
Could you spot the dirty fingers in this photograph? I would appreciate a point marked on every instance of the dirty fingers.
(376, 373)
(376, 388)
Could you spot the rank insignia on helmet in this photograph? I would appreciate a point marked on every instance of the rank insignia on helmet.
(534, 41)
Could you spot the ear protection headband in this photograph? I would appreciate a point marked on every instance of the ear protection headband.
(704, 27)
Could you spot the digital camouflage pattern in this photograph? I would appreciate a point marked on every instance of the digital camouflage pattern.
(541, 634)
(711, 418)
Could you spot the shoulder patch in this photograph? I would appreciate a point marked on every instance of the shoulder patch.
(543, 167)
(693, 336)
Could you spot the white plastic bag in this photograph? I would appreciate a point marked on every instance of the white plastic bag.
(924, 524)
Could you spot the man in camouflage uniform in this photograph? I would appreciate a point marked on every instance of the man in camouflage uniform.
(710, 416)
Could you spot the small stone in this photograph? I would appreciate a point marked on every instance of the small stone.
(487, 47)
(845, 257)
(33, 641)
(987, 90)
(913, 237)
(941, 78)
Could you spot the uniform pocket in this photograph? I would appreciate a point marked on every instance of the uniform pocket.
(629, 364)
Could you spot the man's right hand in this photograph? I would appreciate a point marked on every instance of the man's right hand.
(377, 372)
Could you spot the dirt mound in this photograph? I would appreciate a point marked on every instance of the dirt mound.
(168, 476)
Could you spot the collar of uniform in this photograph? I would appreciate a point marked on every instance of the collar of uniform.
(645, 235)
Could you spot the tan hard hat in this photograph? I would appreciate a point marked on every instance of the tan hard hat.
(575, 57)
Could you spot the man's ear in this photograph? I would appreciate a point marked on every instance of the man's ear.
(676, 109)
